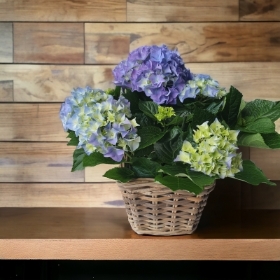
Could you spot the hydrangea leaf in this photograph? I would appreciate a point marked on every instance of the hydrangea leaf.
(144, 152)
(121, 174)
(181, 170)
(74, 140)
(174, 170)
(200, 178)
(215, 107)
(257, 140)
(144, 167)
(261, 109)
(149, 135)
(200, 116)
(177, 120)
(252, 174)
(272, 140)
(78, 157)
(188, 134)
(179, 183)
(115, 92)
(143, 120)
(149, 108)
(133, 98)
(231, 109)
(97, 158)
(167, 149)
(263, 125)
(251, 140)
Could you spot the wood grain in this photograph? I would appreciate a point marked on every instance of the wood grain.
(53, 83)
(95, 174)
(106, 49)
(31, 122)
(181, 10)
(259, 10)
(135, 249)
(200, 42)
(6, 42)
(63, 10)
(268, 161)
(60, 195)
(49, 43)
(6, 91)
(37, 162)
(104, 234)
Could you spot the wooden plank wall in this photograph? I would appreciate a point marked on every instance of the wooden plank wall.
(48, 47)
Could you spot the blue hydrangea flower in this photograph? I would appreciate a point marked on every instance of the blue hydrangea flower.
(101, 122)
(201, 85)
(156, 71)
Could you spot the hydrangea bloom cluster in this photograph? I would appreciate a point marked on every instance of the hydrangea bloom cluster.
(157, 71)
(101, 122)
(214, 152)
(164, 113)
(201, 85)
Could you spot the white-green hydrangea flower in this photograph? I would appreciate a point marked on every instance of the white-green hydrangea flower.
(214, 152)
(164, 113)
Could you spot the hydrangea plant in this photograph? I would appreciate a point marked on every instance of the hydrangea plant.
(164, 122)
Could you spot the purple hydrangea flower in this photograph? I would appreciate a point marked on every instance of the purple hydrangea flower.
(156, 71)
(114, 153)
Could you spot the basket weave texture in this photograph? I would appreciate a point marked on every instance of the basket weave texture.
(154, 209)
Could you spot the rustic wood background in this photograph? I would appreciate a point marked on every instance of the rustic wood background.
(48, 47)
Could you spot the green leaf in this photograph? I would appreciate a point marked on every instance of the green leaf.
(264, 125)
(179, 183)
(272, 140)
(175, 121)
(200, 116)
(149, 135)
(231, 109)
(261, 109)
(78, 157)
(188, 134)
(215, 107)
(115, 92)
(174, 170)
(74, 140)
(121, 174)
(168, 148)
(149, 108)
(97, 158)
(251, 140)
(257, 140)
(145, 168)
(182, 170)
(200, 178)
(143, 120)
(133, 98)
(144, 152)
(252, 174)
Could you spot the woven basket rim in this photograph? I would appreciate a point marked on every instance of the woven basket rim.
(143, 182)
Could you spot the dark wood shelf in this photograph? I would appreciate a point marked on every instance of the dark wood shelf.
(105, 234)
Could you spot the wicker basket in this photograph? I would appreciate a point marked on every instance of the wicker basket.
(156, 210)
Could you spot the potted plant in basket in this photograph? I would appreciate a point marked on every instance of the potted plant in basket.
(173, 133)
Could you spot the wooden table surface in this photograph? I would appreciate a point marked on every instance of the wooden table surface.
(105, 234)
